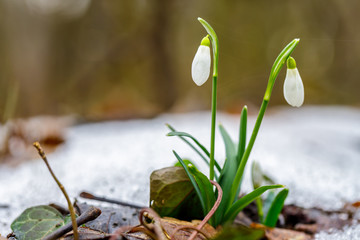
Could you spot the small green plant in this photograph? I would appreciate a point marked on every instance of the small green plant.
(269, 205)
(229, 176)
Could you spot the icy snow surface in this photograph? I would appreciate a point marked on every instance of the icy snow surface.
(315, 151)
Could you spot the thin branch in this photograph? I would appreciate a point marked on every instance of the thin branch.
(88, 195)
(71, 207)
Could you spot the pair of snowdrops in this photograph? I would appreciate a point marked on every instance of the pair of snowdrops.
(293, 86)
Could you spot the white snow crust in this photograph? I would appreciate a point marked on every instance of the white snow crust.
(315, 151)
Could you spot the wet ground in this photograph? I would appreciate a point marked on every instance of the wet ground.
(315, 151)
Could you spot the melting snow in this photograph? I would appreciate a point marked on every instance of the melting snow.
(315, 151)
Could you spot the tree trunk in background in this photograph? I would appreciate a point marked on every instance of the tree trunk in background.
(160, 42)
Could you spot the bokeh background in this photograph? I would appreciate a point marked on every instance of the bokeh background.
(132, 58)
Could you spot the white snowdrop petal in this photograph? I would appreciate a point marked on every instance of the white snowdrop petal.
(200, 68)
(293, 88)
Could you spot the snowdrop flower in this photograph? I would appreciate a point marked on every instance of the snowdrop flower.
(293, 86)
(200, 68)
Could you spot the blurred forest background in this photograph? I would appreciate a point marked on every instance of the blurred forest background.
(132, 58)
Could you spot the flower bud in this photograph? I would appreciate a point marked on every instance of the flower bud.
(293, 86)
(200, 68)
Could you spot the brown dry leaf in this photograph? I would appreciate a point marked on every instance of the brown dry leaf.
(137, 236)
(17, 136)
(356, 204)
(170, 224)
(87, 234)
(314, 220)
(281, 234)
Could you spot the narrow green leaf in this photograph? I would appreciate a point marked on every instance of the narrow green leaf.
(276, 207)
(206, 190)
(242, 134)
(187, 162)
(196, 187)
(260, 210)
(227, 174)
(245, 158)
(232, 212)
(268, 200)
(278, 64)
(184, 134)
(229, 144)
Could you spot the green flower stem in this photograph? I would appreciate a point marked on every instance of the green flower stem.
(215, 47)
(277, 66)
(213, 123)
(247, 152)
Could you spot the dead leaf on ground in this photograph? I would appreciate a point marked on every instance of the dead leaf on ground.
(87, 234)
(314, 220)
(281, 234)
(170, 224)
(17, 136)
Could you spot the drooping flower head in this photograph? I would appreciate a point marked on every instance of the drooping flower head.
(200, 68)
(293, 86)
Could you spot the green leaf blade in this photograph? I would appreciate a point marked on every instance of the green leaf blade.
(227, 174)
(275, 208)
(242, 134)
(246, 200)
(206, 190)
(196, 187)
(182, 135)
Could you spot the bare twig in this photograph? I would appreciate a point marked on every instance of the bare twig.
(89, 215)
(102, 199)
(4, 206)
(71, 207)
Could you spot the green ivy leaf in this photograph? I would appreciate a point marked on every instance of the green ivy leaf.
(172, 194)
(37, 222)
